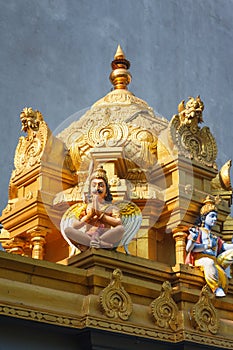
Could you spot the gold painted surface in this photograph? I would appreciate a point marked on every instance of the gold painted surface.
(71, 298)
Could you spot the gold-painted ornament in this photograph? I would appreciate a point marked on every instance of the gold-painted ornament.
(204, 316)
(114, 300)
(164, 309)
(192, 141)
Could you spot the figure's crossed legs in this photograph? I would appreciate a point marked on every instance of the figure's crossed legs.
(107, 239)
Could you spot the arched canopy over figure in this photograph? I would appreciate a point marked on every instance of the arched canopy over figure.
(208, 251)
(101, 224)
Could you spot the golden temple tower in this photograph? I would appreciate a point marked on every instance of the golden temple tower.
(106, 298)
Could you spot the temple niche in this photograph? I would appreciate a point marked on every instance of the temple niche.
(165, 168)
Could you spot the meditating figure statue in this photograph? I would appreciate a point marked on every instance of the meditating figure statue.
(100, 223)
(208, 251)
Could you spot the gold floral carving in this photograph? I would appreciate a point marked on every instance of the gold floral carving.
(146, 144)
(108, 134)
(192, 141)
(134, 129)
(204, 316)
(30, 148)
(140, 144)
(164, 309)
(114, 300)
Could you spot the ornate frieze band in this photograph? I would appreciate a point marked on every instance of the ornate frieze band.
(41, 316)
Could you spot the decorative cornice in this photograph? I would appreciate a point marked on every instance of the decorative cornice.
(222, 343)
(132, 330)
(40, 316)
(76, 296)
(129, 329)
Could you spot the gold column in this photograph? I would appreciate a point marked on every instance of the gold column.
(180, 235)
(38, 242)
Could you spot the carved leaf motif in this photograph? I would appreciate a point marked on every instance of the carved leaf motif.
(114, 300)
(203, 315)
(145, 145)
(164, 309)
(107, 135)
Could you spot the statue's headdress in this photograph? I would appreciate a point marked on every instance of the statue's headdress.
(99, 173)
(209, 205)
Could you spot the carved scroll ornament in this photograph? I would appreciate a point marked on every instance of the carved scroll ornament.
(140, 144)
(164, 309)
(192, 141)
(203, 315)
(114, 300)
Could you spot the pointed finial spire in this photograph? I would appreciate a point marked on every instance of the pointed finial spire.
(119, 53)
(120, 77)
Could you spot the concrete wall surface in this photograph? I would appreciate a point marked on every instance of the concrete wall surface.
(55, 56)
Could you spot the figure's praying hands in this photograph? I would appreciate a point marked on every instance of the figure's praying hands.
(103, 226)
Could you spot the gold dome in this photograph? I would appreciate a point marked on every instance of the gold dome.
(119, 119)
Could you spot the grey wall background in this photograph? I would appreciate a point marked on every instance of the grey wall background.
(55, 56)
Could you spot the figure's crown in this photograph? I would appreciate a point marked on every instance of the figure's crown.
(209, 205)
(99, 173)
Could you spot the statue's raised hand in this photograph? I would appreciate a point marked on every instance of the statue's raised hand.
(96, 206)
(193, 233)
